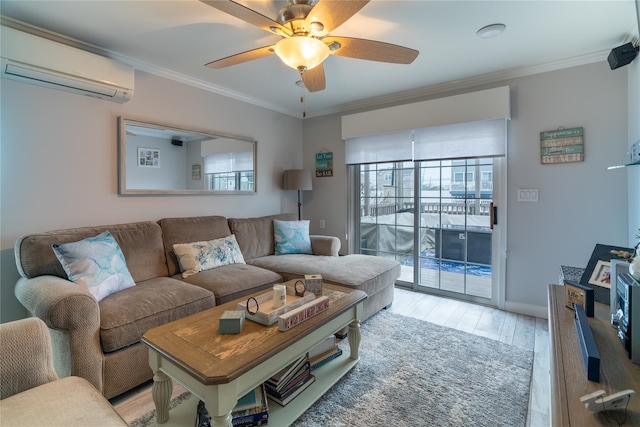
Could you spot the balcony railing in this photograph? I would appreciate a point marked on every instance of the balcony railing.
(477, 207)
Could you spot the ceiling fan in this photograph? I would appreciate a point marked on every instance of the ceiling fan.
(304, 26)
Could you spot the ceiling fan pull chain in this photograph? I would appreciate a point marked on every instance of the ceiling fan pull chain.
(304, 106)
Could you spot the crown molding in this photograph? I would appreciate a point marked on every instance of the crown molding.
(145, 66)
(201, 84)
(369, 103)
(395, 98)
(442, 88)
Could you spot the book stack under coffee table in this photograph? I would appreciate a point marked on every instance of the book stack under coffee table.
(220, 368)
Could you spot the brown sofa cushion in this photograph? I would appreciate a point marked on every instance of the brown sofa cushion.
(255, 235)
(188, 230)
(126, 315)
(233, 281)
(141, 244)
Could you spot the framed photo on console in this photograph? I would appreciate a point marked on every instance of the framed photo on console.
(601, 275)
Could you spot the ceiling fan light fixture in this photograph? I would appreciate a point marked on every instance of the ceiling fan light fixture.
(302, 53)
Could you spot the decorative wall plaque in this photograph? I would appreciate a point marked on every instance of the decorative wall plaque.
(562, 146)
(324, 164)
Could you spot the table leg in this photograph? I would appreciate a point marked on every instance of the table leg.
(220, 399)
(354, 339)
(222, 421)
(161, 393)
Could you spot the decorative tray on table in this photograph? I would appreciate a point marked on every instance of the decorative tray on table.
(265, 313)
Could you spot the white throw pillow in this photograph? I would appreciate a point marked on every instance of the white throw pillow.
(206, 255)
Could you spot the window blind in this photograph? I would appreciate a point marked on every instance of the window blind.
(460, 141)
(236, 161)
(461, 126)
(390, 147)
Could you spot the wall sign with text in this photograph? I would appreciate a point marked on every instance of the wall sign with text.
(324, 164)
(562, 146)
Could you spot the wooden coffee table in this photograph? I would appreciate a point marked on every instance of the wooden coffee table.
(220, 368)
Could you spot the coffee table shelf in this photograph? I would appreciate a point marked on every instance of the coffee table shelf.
(326, 376)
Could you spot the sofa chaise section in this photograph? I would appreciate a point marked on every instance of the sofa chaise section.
(374, 275)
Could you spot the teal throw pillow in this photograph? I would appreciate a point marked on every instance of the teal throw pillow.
(206, 255)
(96, 263)
(291, 237)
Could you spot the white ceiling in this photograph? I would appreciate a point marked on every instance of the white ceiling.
(176, 39)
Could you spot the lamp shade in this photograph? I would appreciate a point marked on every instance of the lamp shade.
(297, 179)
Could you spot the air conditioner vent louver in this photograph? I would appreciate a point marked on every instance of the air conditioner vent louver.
(31, 59)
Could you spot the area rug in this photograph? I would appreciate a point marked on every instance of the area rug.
(149, 419)
(413, 372)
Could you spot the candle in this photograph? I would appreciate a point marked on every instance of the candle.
(279, 295)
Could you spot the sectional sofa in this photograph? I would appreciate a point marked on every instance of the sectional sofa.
(99, 340)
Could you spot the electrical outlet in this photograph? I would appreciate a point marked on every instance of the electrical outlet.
(322, 224)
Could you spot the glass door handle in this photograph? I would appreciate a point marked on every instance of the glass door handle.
(493, 215)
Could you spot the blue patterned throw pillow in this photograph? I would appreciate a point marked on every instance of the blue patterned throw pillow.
(206, 255)
(291, 237)
(96, 263)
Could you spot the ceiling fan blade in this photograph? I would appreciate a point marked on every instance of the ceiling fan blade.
(371, 50)
(333, 13)
(239, 58)
(313, 79)
(249, 15)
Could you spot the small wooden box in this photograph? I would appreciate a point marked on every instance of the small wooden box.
(231, 322)
(313, 283)
(575, 293)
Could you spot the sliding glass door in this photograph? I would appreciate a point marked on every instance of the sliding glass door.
(434, 217)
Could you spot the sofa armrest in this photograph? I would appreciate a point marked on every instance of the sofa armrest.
(26, 356)
(73, 317)
(325, 245)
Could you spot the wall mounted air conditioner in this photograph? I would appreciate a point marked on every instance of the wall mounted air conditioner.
(39, 61)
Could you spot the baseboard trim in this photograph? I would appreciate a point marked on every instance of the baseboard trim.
(527, 309)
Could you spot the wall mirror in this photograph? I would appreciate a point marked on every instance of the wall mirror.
(158, 159)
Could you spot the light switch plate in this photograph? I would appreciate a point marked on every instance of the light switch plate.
(528, 195)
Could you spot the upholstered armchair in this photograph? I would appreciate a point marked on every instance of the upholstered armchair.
(30, 391)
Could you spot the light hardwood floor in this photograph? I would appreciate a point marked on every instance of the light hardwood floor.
(515, 329)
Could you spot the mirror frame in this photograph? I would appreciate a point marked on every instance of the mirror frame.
(122, 161)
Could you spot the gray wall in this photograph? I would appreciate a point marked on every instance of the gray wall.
(59, 167)
(581, 204)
